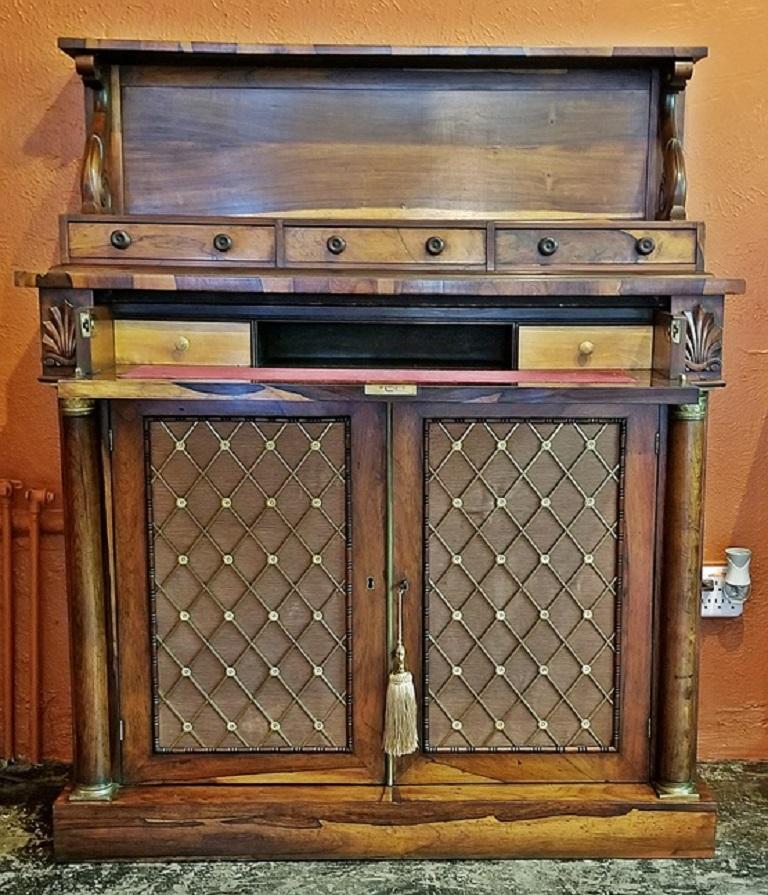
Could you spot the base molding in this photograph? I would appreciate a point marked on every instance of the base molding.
(326, 822)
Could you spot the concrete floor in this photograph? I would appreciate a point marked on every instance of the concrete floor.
(740, 868)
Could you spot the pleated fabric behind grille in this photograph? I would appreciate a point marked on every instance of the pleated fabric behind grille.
(523, 527)
(249, 557)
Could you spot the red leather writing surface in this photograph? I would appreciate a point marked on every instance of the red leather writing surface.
(347, 376)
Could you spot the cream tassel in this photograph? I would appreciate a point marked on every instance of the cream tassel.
(401, 733)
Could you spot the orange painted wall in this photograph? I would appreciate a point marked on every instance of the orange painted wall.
(727, 150)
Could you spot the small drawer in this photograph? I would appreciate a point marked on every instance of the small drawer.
(174, 342)
(585, 347)
(571, 247)
(404, 246)
(126, 240)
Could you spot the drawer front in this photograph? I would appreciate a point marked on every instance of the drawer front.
(124, 240)
(173, 342)
(572, 247)
(584, 347)
(437, 246)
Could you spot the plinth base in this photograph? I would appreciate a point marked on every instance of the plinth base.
(370, 822)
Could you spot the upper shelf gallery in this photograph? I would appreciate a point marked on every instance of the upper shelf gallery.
(386, 132)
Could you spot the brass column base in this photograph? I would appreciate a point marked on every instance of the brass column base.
(687, 792)
(93, 792)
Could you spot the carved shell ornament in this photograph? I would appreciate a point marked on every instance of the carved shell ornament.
(59, 341)
(703, 342)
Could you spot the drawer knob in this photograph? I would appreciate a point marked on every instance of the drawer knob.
(435, 245)
(222, 242)
(645, 245)
(548, 246)
(182, 344)
(336, 244)
(120, 239)
(586, 348)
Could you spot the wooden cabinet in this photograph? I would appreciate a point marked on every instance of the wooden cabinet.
(383, 377)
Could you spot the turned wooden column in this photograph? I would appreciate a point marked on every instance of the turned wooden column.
(680, 599)
(81, 476)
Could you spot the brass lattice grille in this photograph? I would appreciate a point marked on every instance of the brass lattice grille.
(249, 556)
(523, 523)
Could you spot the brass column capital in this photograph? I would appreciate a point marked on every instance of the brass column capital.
(77, 406)
(692, 412)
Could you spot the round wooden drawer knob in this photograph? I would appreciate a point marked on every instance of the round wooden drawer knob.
(222, 242)
(435, 245)
(547, 246)
(645, 246)
(182, 344)
(120, 239)
(336, 244)
(586, 348)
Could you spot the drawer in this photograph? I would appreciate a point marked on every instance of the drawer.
(580, 347)
(594, 247)
(125, 240)
(437, 246)
(174, 342)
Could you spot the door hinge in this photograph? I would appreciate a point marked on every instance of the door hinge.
(650, 728)
(657, 443)
(109, 439)
(120, 730)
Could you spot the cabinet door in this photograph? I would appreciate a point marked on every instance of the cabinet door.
(528, 532)
(250, 591)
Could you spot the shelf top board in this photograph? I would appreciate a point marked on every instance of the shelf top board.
(78, 46)
(363, 282)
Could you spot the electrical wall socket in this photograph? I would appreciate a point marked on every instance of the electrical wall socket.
(714, 603)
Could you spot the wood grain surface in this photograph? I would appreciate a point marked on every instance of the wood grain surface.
(75, 46)
(321, 822)
(585, 347)
(392, 245)
(576, 247)
(179, 242)
(175, 278)
(182, 342)
(290, 147)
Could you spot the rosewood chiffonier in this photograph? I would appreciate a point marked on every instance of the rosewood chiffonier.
(371, 358)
